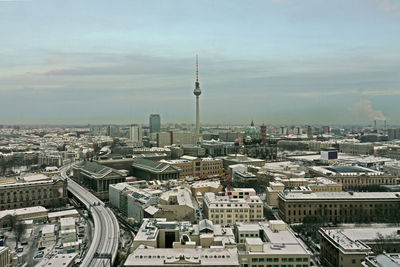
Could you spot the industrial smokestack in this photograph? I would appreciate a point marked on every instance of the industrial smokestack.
(374, 124)
(384, 124)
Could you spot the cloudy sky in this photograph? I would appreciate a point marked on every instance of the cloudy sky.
(274, 61)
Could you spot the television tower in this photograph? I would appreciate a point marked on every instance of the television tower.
(197, 93)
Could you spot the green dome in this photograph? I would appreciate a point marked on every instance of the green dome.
(252, 131)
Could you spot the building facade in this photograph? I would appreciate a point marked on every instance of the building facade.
(150, 170)
(338, 207)
(200, 167)
(136, 134)
(155, 123)
(48, 193)
(225, 210)
(97, 177)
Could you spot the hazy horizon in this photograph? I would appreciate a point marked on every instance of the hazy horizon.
(273, 61)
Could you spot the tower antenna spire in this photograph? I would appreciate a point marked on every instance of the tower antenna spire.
(197, 68)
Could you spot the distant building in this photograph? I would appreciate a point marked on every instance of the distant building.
(217, 149)
(193, 166)
(173, 138)
(195, 151)
(136, 134)
(155, 123)
(356, 148)
(50, 159)
(233, 159)
(352, 177)
(393, 133)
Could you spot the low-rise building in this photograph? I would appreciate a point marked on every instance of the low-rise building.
(48, 235)
(160, 233)
(200, 167)
(349, 245)
(176, 204)
(36, 214)
(339, 206)
(201, 187)
(97, 177)
(287, 169)
(177, 257)
(57, 215)
(65, 260)
(33, 190)
(352, 177)
(356, 148)
(270, 244)
(384, 259)
(5, 257)
(132, 199)
(300, 185)
(233, 159)
(68, 230)
(150, 170)
(226, 210)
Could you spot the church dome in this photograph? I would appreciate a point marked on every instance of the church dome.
(252, 131)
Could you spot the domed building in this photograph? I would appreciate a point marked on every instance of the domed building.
(252, 132)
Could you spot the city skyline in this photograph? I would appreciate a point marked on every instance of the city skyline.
(274, 62)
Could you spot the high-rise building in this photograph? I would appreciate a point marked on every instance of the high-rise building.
(197, 93)
(136, 134)
(155, 123)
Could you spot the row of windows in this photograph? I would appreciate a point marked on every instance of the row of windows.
(341, 212)
(280, 265)
(277, 259)
(343, 205)
(228, 210)
(21, 205)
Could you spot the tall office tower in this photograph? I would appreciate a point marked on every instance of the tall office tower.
(136, 134)
(197, 93)
(155, 123)
(309, 132)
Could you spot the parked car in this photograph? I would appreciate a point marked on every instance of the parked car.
(38, 256)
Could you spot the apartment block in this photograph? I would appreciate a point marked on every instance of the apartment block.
(227, 210)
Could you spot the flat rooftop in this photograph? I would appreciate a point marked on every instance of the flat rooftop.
(350, 238)
(342, 196)
(169, 256)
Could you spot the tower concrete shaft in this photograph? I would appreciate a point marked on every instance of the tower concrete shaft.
(197, 93)
(197, 118)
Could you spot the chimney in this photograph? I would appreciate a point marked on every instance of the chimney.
(384, 124)
(374, 124)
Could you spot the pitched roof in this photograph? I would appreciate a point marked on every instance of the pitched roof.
(154, 166)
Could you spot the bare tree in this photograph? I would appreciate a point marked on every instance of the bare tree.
(19, 230)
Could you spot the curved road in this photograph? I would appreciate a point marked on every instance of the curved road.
(106, 228)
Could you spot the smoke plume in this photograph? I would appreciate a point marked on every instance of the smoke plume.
(365, 107)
